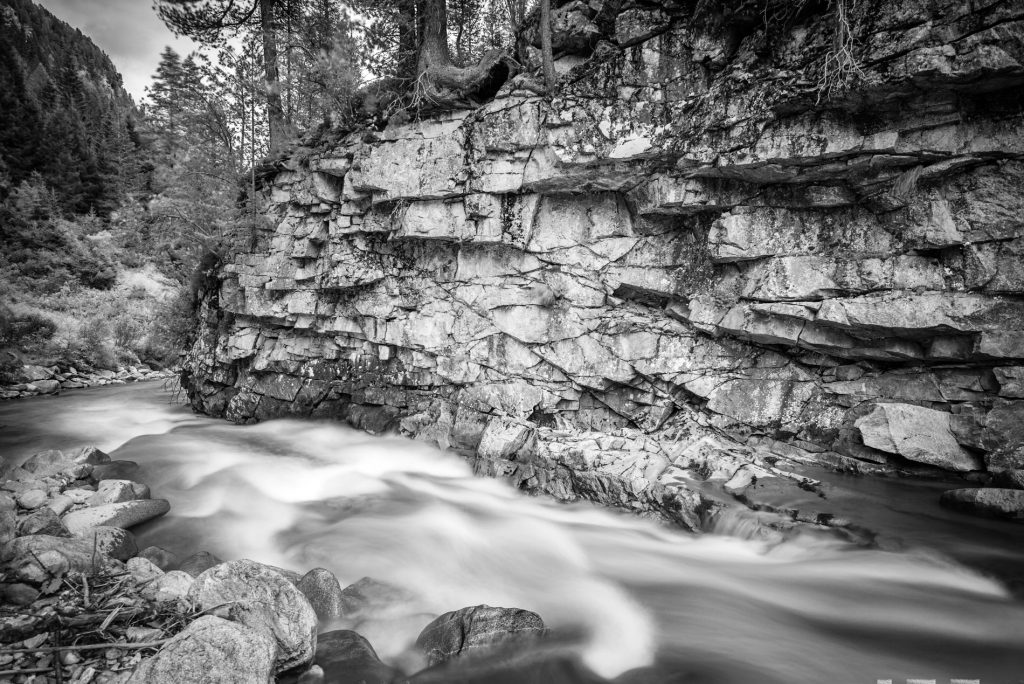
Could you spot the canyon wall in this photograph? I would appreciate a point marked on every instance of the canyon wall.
(701, 263)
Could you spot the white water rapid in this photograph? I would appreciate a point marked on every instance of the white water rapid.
(622, 592)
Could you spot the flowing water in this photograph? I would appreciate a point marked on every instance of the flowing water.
(629, 597)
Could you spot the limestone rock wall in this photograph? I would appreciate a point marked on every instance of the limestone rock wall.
(680, 275)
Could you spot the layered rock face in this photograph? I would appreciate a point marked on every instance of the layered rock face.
(694, 265)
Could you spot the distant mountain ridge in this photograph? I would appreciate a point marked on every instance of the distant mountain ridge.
(64, 112)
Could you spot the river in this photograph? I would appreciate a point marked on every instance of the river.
(630, 598)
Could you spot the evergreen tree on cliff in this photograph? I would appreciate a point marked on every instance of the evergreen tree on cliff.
(212, 21)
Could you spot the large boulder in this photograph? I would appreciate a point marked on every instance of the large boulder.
(211, 650)
(916, 433)
(39, 558)
(477, 630)
(263, 599)
(348, 658)
(126, 514)
(993, 503)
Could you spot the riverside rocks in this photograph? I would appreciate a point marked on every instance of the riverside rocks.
(681, 269)
(261, 598)
(238, 621)
(38, 380)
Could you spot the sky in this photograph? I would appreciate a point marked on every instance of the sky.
(129, 31)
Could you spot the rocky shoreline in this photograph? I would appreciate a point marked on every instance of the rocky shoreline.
(36, 380)
(82, 603)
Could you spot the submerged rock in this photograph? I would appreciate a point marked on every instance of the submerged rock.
(478, 630)
(347, 658)
(370, 595)
(261, 598)
(211, 650)
(994, 503)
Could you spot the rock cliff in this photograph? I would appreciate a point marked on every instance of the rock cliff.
(722, 249)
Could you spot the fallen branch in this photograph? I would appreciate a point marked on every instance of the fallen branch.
(88, 647)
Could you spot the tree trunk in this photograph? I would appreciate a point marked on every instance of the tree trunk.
(275, 110)
(545, 44)
(441, 84)
(407, 39)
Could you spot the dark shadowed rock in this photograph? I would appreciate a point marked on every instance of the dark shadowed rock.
(126, 514)
(211, 650)
(322, 589)
(18, 594)
(117, 470)
(42, 521)
(162, 558)
(198, 563)
(259, 597)
(478, 629)
(348, 658)
(992, 503)
(1008, 479)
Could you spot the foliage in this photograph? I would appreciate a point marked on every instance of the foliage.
(64, 114)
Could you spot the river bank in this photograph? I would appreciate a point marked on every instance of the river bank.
(36, 380)
(81, 600)
(620, 593)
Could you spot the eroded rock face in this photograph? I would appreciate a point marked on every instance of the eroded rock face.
(685, 267)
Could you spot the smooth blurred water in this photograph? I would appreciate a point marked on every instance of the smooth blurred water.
(621, 592)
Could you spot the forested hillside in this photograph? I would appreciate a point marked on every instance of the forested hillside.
(64, 114)
(72, 166)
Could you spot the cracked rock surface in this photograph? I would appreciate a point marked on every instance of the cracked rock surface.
(683, 274)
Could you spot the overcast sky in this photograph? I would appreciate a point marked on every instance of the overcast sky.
(127, 30)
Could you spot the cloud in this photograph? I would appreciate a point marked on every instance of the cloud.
(129, 31)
